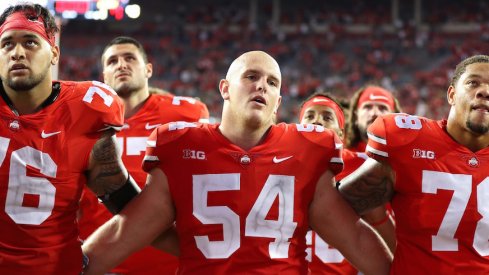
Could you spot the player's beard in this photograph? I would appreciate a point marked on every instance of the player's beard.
(30, 82)
(477, 128)
(126, 89)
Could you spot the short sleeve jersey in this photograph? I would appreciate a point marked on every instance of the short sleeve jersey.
(242, 211)
(440, 196)
(157, 110)
(43, 160)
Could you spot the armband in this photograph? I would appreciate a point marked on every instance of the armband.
(118, 199)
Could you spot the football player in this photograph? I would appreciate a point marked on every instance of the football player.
(323, 109)
(55, 138)
(435, 173)
(243, 193)
(127, 70)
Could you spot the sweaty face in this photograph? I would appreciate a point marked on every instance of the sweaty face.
(367, 113)
(470, 98)
(124, 69)
(25, 59)
(254, 88)
(322, 115)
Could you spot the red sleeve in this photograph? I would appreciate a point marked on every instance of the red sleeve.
(377, 147)
(103, 105)
(327, 139)
(159, 139)
(204, 113)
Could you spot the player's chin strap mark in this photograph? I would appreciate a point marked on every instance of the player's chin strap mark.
(116, 200)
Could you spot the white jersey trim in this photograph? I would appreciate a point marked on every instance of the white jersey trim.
(377, 152)
(377, 139)
(151, 158)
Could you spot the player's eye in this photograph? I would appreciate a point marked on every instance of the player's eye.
(31, 43)
(7, 44)
(472, 83)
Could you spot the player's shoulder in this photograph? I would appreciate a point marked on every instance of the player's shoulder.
(400, 128)
(183, 101)
(312, 134)
(92, 94)
(92, 102)
(172, 131)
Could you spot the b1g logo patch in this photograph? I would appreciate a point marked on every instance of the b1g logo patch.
(423, 154)
(193, 154)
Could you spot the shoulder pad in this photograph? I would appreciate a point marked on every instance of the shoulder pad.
(160, 139)
(397, 129)
(172, 131)
(100, 103)
(319, 135)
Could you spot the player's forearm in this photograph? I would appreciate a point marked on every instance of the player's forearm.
(382, 222)
(368, 187)
(375, 257)
(168, 242)
(107, 176)
(104, 248)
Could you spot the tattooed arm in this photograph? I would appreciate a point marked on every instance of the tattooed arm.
(371, 185)
(107, 176)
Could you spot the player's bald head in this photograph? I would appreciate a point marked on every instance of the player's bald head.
(247, 59)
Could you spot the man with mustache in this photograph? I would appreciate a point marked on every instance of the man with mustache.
(435, 175)
(55, 138)
(127, 70)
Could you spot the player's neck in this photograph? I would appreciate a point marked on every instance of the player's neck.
(134, 102)
(29, 101)
(242, 135)
(467, 138)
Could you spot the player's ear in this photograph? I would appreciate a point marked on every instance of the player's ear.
(224, 88)
(55, 55)
(278, 104)
(451, 95)
(149, 70)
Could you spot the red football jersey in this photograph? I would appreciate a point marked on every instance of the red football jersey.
(157, 110)
(242, 211)
(43, 159)
(323, 258)
(440, 196)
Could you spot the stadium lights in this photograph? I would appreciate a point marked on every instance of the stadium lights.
(107, 4)
(133, 11)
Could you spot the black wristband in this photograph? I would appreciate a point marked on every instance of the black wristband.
(116, 200)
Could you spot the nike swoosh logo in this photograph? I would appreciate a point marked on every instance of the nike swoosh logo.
(150, 127)
(377, 97)
(279, 160)
(46, 135)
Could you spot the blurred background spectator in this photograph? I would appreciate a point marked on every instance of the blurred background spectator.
(409, 47)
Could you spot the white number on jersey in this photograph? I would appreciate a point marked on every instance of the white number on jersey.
(322, 250)
(309, 128)
(179, 125)
(135, 146)
(408, 122)
(20, 185)
(177, 100)
(461, 185)
(256, 224)
(92, 90)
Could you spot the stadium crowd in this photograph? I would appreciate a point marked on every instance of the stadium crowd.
(316, 45)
